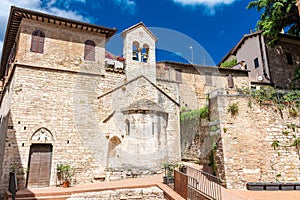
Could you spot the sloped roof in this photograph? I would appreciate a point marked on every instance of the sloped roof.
(212, 68)
(144, 104)
(142, 76)
(16, 16)
(140, 24)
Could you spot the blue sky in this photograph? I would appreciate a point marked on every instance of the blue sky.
(198, 31)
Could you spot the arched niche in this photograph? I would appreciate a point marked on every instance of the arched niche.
(135, 50)
(42, 135)
(113, 146)
(145, 53)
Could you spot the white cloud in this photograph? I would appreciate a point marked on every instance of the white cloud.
(126, 5)
(36, 5)
(67, 14)
(208, 4)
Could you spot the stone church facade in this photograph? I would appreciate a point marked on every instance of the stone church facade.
(64, 102)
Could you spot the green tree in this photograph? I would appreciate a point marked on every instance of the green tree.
(277, 15)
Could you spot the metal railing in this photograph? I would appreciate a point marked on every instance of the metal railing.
(203, 184)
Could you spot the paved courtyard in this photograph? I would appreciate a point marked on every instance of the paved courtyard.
(62, 193)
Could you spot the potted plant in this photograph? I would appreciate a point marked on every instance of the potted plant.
(65, 173)
(20, 172)
(169, 172)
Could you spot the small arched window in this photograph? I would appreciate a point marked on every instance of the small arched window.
(37, 41)
(145, 53)
(89, 50)
(135, 51)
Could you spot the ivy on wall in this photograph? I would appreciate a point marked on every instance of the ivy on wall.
(201, 113)
(293, 141)
(280, 98)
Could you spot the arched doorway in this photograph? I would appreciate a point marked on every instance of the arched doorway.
(114, 152)
(40, 159)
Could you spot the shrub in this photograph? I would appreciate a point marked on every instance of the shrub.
(229, 64)
(233, 109)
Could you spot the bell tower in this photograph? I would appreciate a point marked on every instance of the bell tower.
(139, 52)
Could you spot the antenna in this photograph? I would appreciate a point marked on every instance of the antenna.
(192, 51)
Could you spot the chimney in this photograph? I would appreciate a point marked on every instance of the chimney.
(298, 4)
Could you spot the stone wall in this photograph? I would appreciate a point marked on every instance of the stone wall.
(63, 103)
(282, 73)
(154, 134)
(5, 123)
(126, 194)
(196, 82)
(246, 142)
(63, 48)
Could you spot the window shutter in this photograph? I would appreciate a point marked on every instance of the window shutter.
(37, 42)
(89, 50)
(230, 81)
(34, 43)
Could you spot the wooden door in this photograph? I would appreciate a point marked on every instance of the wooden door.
(40, 159)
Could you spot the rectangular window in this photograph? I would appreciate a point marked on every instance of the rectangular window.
(256, 63)
(178, 75)
(208, 78)
(289, 59)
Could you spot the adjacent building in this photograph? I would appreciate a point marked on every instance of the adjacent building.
(271, 65)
